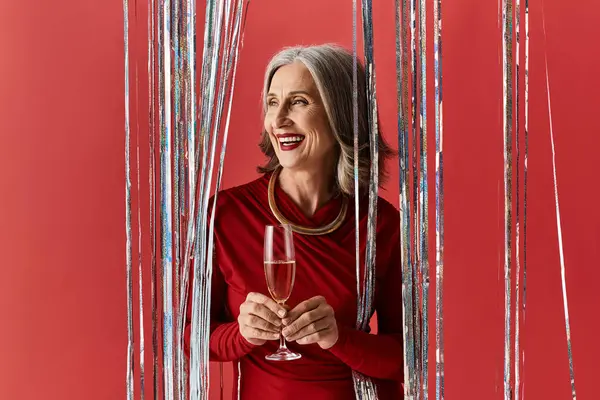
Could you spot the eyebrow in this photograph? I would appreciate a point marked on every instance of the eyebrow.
(293, 93)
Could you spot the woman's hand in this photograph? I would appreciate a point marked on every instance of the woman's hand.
(312, 321)
(260, 319)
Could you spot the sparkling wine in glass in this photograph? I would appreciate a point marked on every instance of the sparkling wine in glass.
(280, 273)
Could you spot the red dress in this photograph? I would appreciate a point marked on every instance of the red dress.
(325, 265)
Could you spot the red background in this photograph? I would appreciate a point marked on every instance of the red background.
(62, 288)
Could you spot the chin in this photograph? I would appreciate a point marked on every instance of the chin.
(289, 159)
(285, 162)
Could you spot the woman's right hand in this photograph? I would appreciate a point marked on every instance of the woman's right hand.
(260, 319)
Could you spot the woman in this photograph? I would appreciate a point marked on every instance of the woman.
(308, 180)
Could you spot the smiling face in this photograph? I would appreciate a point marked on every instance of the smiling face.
(296, 120)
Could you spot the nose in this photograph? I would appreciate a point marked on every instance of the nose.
(281, 118)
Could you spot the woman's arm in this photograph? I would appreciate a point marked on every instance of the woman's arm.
(226, 342)
(378, 356)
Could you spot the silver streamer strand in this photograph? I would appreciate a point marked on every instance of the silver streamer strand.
(402, 79)
(141, 280)
(166, 214)
(178, 170)
(364, 387)
(423, 201)
(129, 277)
(558, 223)
(139, 214)
(166, 196)
(181, 119)
(187, 43)
(190, 165)
(190, 93)
(415, 245)
(161, 134)
(356, 164)
(439, 202)
(151, 181)
(525, 178)
(507, 125)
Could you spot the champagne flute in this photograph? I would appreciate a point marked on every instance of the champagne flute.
(280, 273)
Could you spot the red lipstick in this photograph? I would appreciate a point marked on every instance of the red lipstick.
(289, 141)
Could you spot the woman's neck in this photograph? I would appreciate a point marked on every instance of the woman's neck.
(309, 190)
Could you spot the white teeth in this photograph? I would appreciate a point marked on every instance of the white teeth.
(293, 139)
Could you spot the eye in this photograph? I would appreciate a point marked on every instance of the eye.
(272, 103)
(299, 101)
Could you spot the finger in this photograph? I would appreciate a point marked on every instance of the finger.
(256, 333)
(302, 308)
(255, 321)
(310, 329)
(267, 302)
(259, 310)
(302, 322)
(314, 337)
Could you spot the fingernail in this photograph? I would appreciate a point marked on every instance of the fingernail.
(277, 323)
(285, 332)
(285, 321)
(281, 313)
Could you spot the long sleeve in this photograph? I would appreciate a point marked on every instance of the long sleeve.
(226, 342)
(378, 356)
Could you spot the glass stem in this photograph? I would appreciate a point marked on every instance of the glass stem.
(282, 342)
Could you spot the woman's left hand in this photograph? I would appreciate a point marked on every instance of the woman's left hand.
(312, 321)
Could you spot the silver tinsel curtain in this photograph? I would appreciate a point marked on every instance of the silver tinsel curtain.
(189, 116)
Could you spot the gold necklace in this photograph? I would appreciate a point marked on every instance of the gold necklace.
(324, 230)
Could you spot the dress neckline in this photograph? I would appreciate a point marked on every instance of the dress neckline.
(325, 214)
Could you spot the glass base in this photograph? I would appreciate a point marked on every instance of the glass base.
(283, 354)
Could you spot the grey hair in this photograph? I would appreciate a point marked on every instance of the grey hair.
(331, 67)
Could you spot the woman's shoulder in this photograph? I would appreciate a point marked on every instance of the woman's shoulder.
(387, 213)
(385, 207)
(386, 210)
(388, 217)
(235, 195)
